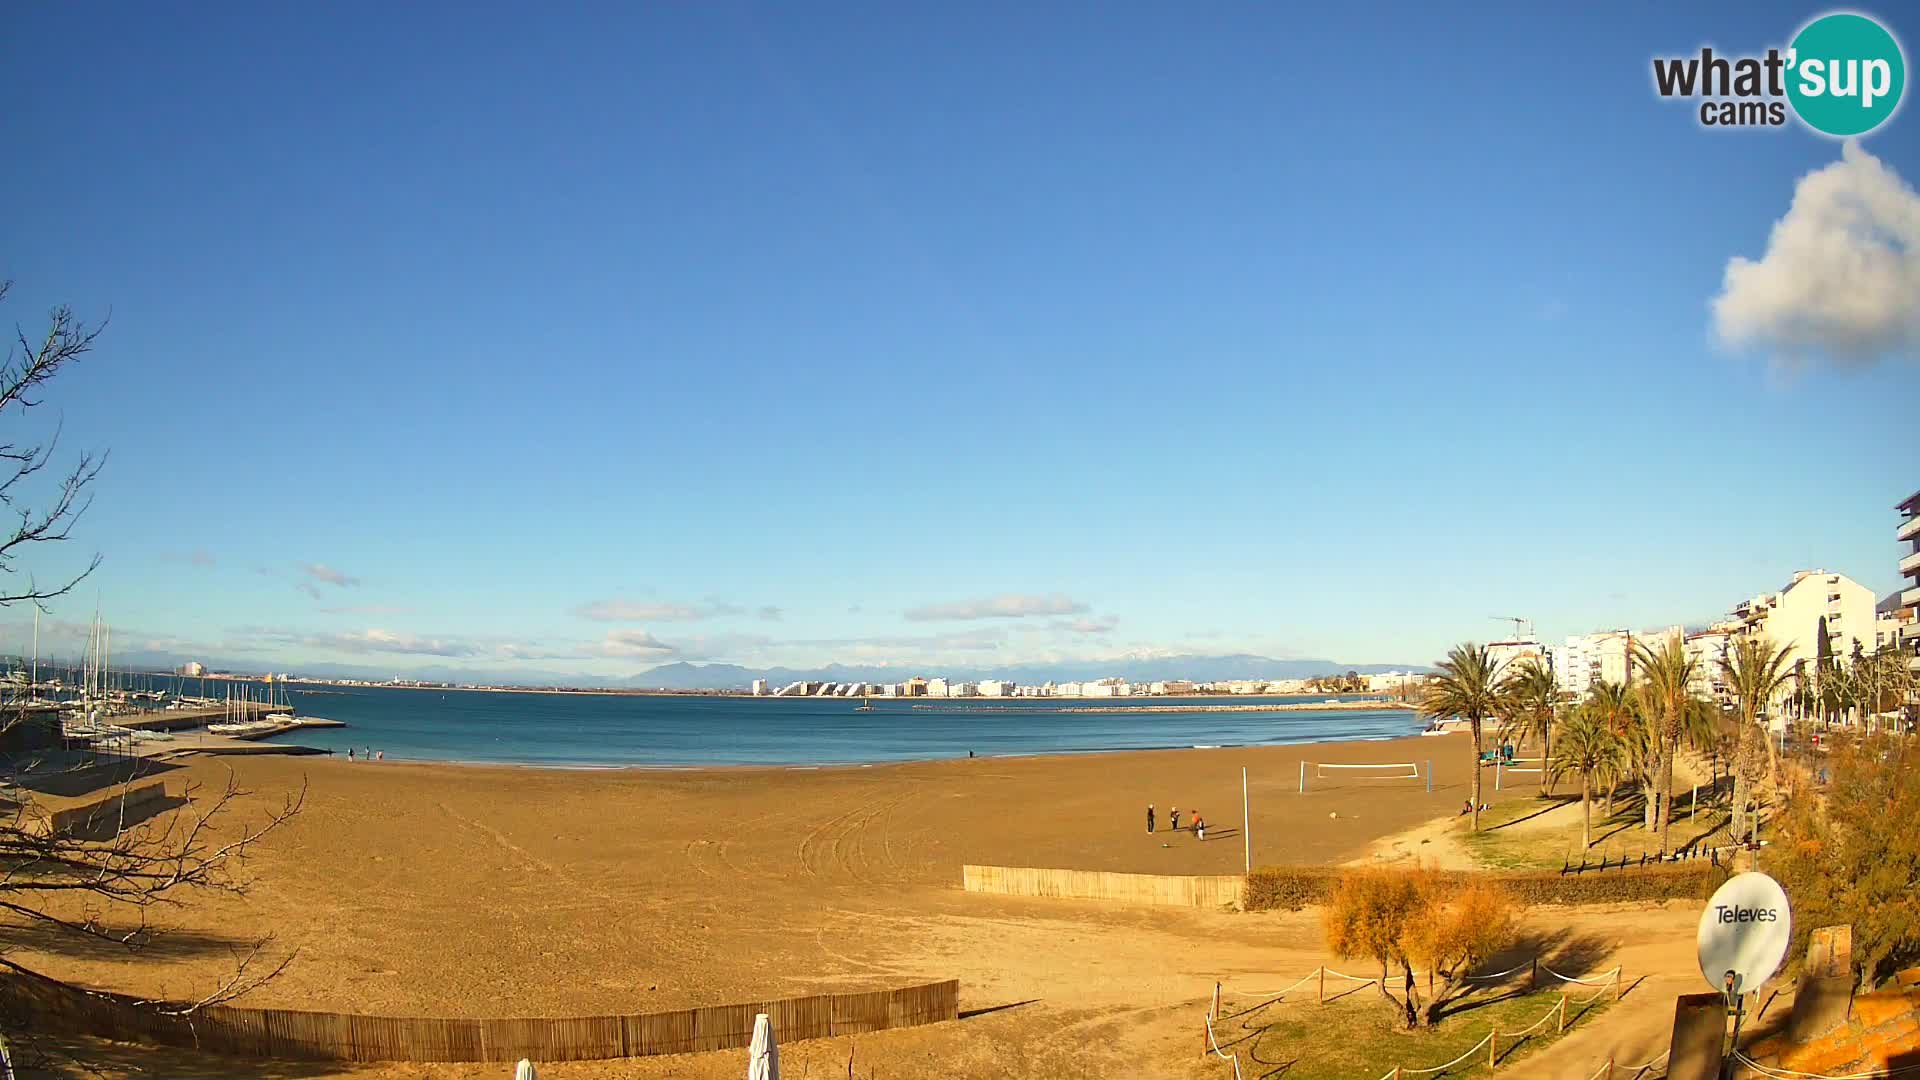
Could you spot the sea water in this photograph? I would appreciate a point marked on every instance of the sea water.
(586, 730)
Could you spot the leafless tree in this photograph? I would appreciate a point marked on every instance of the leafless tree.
(100, 879)
(32, 361)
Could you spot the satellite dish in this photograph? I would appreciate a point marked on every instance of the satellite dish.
(1744, 933)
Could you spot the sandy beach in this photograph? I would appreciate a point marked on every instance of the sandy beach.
(494, 891)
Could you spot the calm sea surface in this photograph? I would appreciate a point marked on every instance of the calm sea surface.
(604, 730)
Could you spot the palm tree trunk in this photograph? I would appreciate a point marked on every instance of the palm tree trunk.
(1586, 811)
(1666, 787)
(1476, 774)
(1546, 756)
(1738, 823)
(1650, 789)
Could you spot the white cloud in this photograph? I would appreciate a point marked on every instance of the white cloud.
(638, 611)
(324, 573)
(1840, 278)
(375, 640)
(632, 645)
(1005, 606)
(366, 609)
(1088, 625)
(618, 609)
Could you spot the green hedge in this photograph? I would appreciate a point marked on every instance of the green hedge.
(1290, 888)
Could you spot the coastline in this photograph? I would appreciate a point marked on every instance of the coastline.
(300, 687)
(735, 768)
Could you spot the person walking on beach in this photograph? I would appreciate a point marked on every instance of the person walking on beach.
(1149, 817)
(1176, 819)
(1199, 826)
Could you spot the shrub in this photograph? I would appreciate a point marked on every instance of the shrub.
(1290, 888)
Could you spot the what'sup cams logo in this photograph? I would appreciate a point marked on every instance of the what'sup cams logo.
(1843, 75)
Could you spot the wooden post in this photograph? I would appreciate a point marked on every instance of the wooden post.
(1323, 984)
(1493, 1047)
(1609, 1069)
(1533, 976)
(1695, 812)
(1560, 1028)
(1616, 984)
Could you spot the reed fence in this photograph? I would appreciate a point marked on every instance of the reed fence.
(288, 1034)
(1201, 891)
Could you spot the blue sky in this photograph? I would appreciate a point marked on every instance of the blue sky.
(592, 339)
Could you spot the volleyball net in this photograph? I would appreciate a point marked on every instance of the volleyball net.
(1319, 775)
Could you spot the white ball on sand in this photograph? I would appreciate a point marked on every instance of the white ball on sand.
(1332, 814)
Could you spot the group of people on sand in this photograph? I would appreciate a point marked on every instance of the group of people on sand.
(369, 754)
(1196, 825)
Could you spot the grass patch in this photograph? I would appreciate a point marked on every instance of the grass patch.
(1361, 1037)
(1507, 841)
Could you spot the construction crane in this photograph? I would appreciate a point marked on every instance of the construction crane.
(1522, 628)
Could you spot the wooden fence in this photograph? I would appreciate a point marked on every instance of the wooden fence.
(287, 1034)
(1205, 891)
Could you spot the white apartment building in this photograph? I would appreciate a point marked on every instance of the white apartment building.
(759, 688)
(1708, 651)
(996, 688)
(1506, 655)
(1794, 617)
(1067, 689)
(1908, 601)
(1388, 681)
(937, 687)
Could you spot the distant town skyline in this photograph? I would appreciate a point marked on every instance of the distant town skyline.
(593, 343)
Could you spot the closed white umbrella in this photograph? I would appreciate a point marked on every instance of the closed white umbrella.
(763, 1060)
(524, 1071)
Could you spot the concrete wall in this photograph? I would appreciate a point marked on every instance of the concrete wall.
(1197, 891)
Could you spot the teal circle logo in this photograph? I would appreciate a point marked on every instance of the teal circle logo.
(1846, 74)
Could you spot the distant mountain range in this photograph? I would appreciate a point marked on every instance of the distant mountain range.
(690, 676)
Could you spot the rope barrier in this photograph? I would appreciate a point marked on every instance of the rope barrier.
(1215, 1045)
(1455, 1061)
(1498, 974)
(1607, 1069)
(1610, 980)
(1270, 999)
(1789, 1074)
(1609, 977)
(1349, 978)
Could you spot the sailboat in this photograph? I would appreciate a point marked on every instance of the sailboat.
(865, 706)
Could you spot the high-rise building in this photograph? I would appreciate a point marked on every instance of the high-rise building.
(1907, 609)
(759, 687)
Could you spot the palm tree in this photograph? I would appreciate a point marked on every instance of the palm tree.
(1468, 686)
(1531, 694)
(1666, 693)
(1612, 706)
(1589, 748)
(1756, 673)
